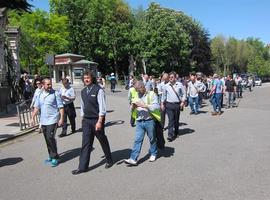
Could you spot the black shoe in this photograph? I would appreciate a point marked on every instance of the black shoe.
(78, 171)
(170, 139)
(72, 132)
(62, 135)
(108, 165)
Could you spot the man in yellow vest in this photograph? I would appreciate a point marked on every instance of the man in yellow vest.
(146, 108)
(132, 97)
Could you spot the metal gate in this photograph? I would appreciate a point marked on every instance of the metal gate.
(25, 114)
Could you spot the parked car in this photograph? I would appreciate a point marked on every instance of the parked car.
(258, 81)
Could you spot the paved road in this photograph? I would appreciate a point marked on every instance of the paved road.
(215, 158)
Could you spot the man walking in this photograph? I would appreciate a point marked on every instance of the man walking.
(93, 111)
(50, 105)
(217, 91)
(173, 98)
(230, 88)
(67, 94)
(147, 108)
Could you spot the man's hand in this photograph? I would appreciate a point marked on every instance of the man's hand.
(182, 104)
(61, 122)
(32, 122)
(98, 126)
(141, 104)
(162, 107)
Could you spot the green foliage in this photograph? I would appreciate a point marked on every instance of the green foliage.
(169, 40)
(41, 33)
(99, 30)
(232, 55)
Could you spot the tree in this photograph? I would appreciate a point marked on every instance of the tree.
(42, 33)
(19, 5)
(99, 30)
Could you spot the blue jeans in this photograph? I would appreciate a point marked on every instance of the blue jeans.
(217, 102)
(141, 128)
(230, 99)
(194, 104)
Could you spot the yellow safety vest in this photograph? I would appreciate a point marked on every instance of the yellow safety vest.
(155, 113)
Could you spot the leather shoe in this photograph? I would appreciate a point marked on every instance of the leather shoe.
(170, 139)
(77, 171)
(108, 165)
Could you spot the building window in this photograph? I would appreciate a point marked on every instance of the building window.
(78, 73)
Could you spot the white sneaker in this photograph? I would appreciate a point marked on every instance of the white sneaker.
(152, 158)
(130, 161)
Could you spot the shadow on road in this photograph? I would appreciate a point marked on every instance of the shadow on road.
(185, 131)
(10, 161)
(202, 112)
(70, 154)
(116, 122)
(4, 136)
(166, 152)
(117, 156)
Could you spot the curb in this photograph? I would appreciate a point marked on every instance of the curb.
(16, 135)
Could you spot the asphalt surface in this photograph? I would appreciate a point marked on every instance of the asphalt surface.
(214, 158)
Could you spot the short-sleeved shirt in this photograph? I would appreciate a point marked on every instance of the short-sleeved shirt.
(230, 84)
(219, 86)
(49, 104)
(69, 92)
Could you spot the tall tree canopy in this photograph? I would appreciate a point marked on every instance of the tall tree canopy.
(42, 33)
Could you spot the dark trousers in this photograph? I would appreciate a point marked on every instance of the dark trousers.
(49, 135)
(159, 135)
(70, 113)
(239, 91)
(113, 87)
(89, 133)
(173, 112)
(163, 116)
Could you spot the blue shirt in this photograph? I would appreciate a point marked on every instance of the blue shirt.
(68, 92)
(148, 85)
(218, 84)
(49, 104)
(36, 94)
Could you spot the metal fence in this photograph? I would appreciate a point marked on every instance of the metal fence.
(25, 114)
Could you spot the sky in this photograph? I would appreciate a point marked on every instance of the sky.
(236, 18)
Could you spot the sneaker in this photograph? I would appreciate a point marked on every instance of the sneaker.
(130, 162)
(152, 158)
(214, 113)
(48, 160)
(54, 162)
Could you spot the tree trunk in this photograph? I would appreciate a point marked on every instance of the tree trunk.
(131, 65)
(144, 66)
(116, 68)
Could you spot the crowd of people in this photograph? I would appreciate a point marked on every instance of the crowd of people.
(150, 99)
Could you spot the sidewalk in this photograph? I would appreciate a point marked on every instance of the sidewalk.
(9, 124)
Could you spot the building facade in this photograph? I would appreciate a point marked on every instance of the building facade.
(71, 66)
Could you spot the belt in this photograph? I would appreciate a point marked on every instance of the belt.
(144, 120)
(173, 102)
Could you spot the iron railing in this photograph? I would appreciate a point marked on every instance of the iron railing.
(25, 115)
